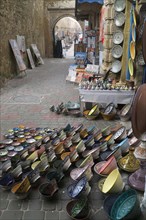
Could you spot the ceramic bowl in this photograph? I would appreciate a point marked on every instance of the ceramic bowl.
(51, 156)
(59, 149)
(76, 138)
(113, 183)
(124, 145)
(130, 133)
(125, 113)
(41, 150)
(24, 154)
(106, 131)
(89, 117)
(78, 209)
(66, 163)
(87, 161)
(6, 166)
(94, 152)
(74, 156)
(48, 190)
(120, 134)
(109, 166)
(126, 206)
(33, 157)
(91, 130)
(108, 117)
(110, 139)
(54, 174)
(117, 153)
(17, 172)
(44, 165)
(21, 187)
(75, 190)
(103, 146)
(98, 167)
(67, 143)
(7, 181)
(34, 178)
(98, 135)
(94, 110)
(89, 142)
(134, 142)
(80, 147)
(35, 165)
(83, 133)
(77, 173)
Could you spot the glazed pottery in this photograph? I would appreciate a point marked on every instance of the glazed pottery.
(80, 146)
(41, 150)
(22, 187)
(106, 131)
(113, 182)
(108, 117)
(90, 141)
(118, 37)
(59, 149)
(98, 135)
(6, 166)
(120, 134)
(129, 163)
(137, 179)
(103, 146)
(117, 51)
(66, 163)
(124, 145)
(90, 117)
(76, 138)
(94, 110)
(91, 130)
(94, 152)
(87, 161)
(54, 174)
(125, 113)
(140, 151)
(119, 19)
(33, 157)
(48, 189)
(98, 167)
(78, 209)
(7, 181)
(17, 172)
(34, 178)
(120, 5)
(110, 139)
(116, 66)
(109, 166)
(67, 143)
(134, 142)
(130, 133)
(132, 50)
(126, 206)
(76, 189)
(117, 153)
(77, 173)
(74, 156)
(24, 154)
(55, 141)
(83, 133)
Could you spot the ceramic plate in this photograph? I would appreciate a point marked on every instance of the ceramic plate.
(117, 51)
(3, 152)
(119, 5)
(119, 19)
(116, 66)
(118, 37)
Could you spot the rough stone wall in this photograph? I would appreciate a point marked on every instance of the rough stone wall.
(19, 17)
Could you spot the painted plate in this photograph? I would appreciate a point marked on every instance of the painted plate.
(119, 5)
(118, 37)
(116, 66)
(119, 19)
(117, 51)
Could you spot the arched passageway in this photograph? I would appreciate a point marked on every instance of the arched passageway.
(66, 32)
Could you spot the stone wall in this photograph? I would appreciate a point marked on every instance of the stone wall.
(23, 17)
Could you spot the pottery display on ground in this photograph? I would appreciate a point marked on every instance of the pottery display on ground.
(48, 190)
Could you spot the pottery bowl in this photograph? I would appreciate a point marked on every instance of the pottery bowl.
(87, 161)
(103, 146)
(54, 174)
(124, 145)
(76, 189)
(80, 147)
(98, 135)
(21, 187)
(97, 168)
(89, 142)
(120, 134)
(66, 163)
(48, 190)
(83, 133)
(78, 173)
(109, 166)
(94, 152)
(33, 157)
(6, 166)
(108, 117)
(41, 150)
(125, 113)
(74, 156)
(34, 178)
(106, 131)
(17, 172)
(7, 181)
(126, 206)
(78, 209)
(94, 110)
(59, 149)
(110, 139)
(88, 116)
(76, 138)
(24, 154)
(113, 182)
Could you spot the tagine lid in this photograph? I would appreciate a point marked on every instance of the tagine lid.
(139, 113)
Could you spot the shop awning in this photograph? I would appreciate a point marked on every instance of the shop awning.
(86, 7)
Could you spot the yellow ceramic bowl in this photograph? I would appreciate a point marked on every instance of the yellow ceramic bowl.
(94, 110)
(132, 49)
(130, 66)
(113, 182)
(33, 157)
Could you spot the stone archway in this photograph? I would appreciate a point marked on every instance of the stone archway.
(53, 15)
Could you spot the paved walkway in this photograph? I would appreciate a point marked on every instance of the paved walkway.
(27, 101)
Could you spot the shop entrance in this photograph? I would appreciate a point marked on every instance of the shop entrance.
(66, 33)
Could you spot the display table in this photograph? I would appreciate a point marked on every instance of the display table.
(105, 96)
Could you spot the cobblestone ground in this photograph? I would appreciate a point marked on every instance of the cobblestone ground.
(27, 101)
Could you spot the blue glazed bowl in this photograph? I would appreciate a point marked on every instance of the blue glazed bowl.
(7, 182)
(126, 206)
(75, 190)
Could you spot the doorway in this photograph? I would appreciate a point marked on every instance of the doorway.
(67, 32)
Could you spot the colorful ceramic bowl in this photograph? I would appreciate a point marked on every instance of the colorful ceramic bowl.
(59, 149)
(98, 167)
(80, 146)
(77, 173)
(113, 183)
(125, 113)
(54, 174)
(110, 139)
(126, 206)
(108, 117)
(33, 157)
(103, 146)
(87, 161)
(120, 134)
(94, 110)
(74, 156)
(78, 209)
(124, 145)
(109, 166)
(48, 190)
(22, 187)
(83, 133)
(66, 163)
(6, 166)
(7, 181)
(76, 138)
(93, 116)
(75, 190)
(94, 152)
(17, 172)
(98, 135)
(106, 131)
(89, 142)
